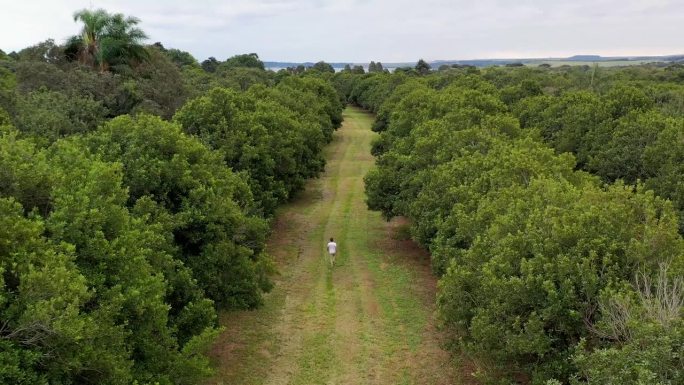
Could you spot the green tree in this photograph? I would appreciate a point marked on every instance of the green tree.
(663, 162)
(623, 99)
(181, 58)
(323, 67)
(526, 289)
(405, 70)
(422, 67)
(212, 213)
(241, 78)
(8, 85)
(115, 93)
(566, 124)
(617, 149)
(249, 60)
(107, 40)
(46, 337)
(83, 284)
(5, 119)
(25, 174)
(269, 140)
(210, 64)
(50, 115)
(46, 52)
(640, 336)
(121, 258)
(358, 70)
(159, 85)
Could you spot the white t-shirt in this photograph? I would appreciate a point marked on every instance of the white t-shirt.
(332, 247)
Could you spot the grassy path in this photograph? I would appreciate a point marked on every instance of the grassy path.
(369, 320)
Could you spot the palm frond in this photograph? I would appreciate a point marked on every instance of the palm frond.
(109, 40)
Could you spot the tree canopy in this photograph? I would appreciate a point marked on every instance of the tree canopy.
(137, 187)
(542, 196)
(107, 41)
(136, 190)
(250, 60)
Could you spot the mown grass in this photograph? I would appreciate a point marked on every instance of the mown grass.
(375, 345)
(405, 315)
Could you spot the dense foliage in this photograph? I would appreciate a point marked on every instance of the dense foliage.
(136, 190)
(276, 142)
(543, 195)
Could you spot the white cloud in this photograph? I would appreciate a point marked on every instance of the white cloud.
(387, 30)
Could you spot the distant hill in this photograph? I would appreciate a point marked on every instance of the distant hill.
(584, 58)
(572, 60)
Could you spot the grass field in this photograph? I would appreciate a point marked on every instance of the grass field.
(368, 320)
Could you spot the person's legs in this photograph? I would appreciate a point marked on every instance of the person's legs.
(332, 259)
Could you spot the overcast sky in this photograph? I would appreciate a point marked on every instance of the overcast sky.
(385, 30)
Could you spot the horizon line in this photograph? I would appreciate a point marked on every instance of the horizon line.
(631, 56)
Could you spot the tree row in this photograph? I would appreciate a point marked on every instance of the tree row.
(548, 271)
(135, 199)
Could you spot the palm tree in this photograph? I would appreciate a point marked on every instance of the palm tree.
(107, 40)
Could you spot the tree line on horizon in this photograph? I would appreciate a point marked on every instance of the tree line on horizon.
(551, 202)
(136, 192)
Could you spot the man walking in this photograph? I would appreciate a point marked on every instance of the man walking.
(332, 250)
